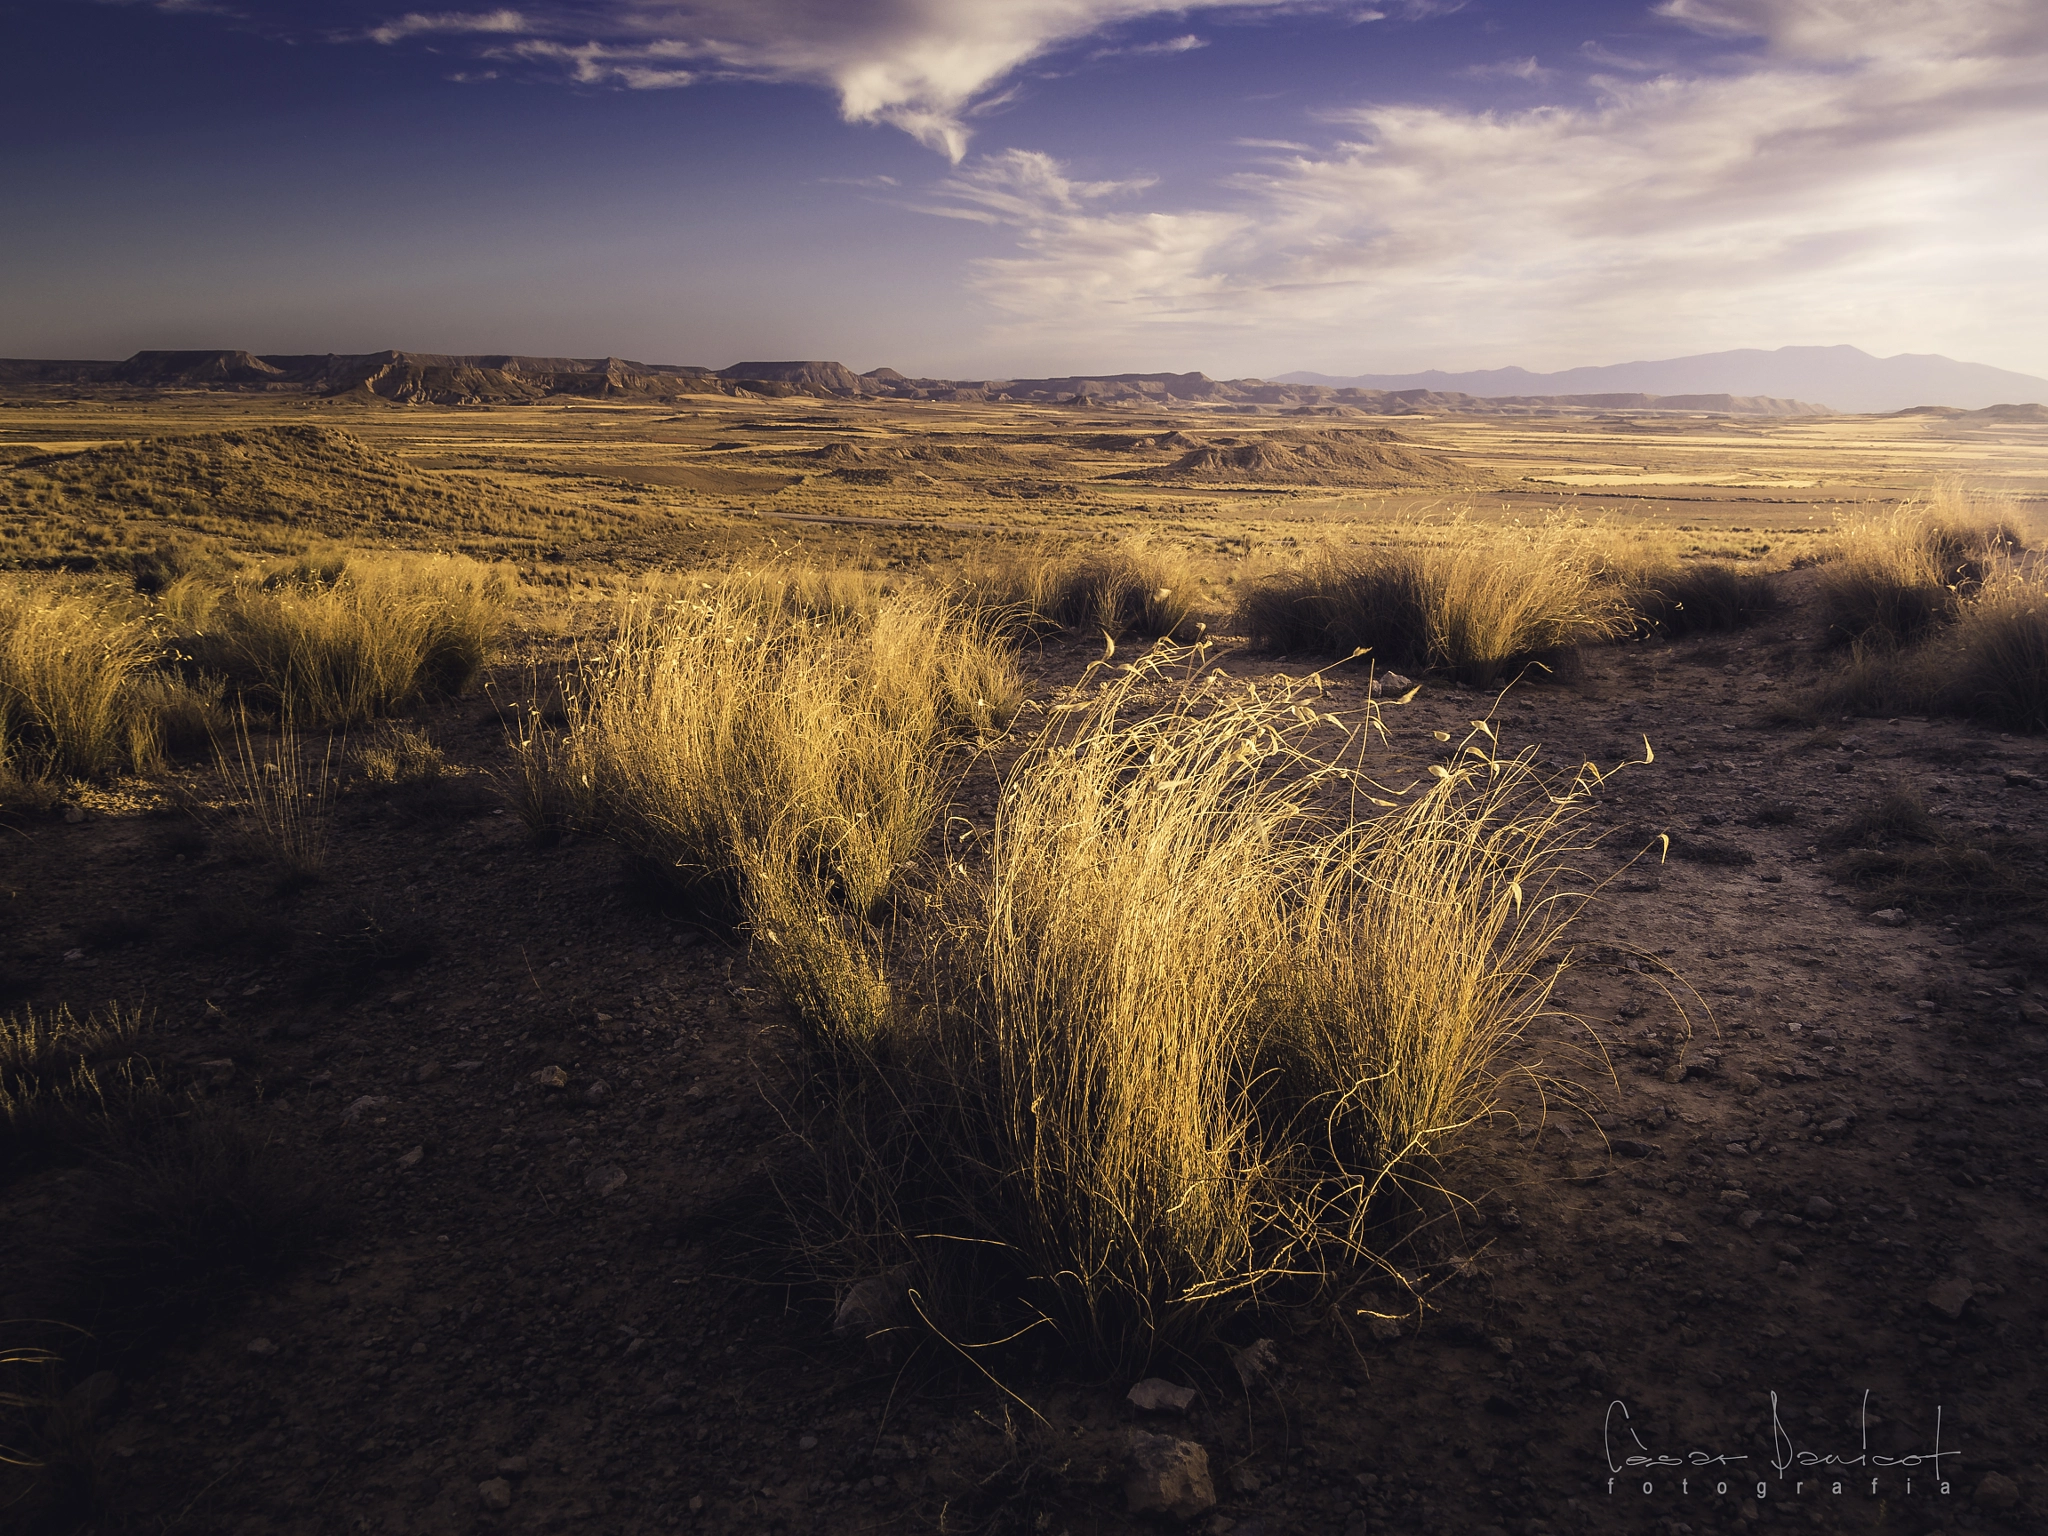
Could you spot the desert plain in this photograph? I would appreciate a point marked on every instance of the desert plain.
(1748, 1240)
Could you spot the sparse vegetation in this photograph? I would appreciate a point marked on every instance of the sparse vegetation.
(1897, 576)
(1132, 588)
(1182, 1023)
(1701, 597)
(1478, 610)
(719, 736)
(70, 667)
(282, 793)
(353, 638)
(2000, 661)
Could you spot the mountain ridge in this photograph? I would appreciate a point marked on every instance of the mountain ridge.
(1848, 378)
(417, 378)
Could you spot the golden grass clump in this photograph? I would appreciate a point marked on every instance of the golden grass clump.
(1131, 588)
(1895, 577)
(717, 737)
(353, 638)
(1479, 609)
(1185, 1017)
(70, 665)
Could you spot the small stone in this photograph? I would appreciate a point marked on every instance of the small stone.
(495, 1493)
(262, 1348)
(1744, 1082)
(1997, 1491)
(412, 1158)
(513, 1466)
(361, 1107)
(664, 1405)
(874, 1309)
(1585, 1172)
(602, 1180)
(1674, 1073)
(597, 1092)
(1256, 1362)
(1949, 1295)
(426, 1072)
(1244, 1479)
(1591, 1369)
(1624, 1146)
(696, 1503)
(1156, 1395)
(1890, 917)
(1748, 1219)
(807, 1442)
(1676, 1240)
(1385, 1330)
(550, 1077)
(1818, 1209)
(1168, 1477)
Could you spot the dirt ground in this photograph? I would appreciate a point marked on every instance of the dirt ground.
(1787, 1250)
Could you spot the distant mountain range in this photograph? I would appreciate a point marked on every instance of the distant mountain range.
(1846, 378)
(1786, 382)
(421, 378)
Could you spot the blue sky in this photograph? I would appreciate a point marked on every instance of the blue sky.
(988, 188)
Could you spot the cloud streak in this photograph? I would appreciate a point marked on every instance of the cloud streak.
(1867, 167)
(926, 67)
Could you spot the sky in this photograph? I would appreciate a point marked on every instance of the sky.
(1008, 188)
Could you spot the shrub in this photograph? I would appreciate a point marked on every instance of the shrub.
(2000, 666)
(69, 669)
(348, 640)
(1130, 589)
(1477, 609)
(1701, 597)
(1895, 577)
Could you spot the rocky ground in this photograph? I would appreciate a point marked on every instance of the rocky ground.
(1798, 1217)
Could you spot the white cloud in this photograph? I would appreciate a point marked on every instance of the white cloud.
(1510, 69)
(924, 66)
(414, 23)
(1871, 170)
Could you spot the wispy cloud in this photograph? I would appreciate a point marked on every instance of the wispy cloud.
(1509, 69)
(1867, 167)
(415, 23)
(927, 67)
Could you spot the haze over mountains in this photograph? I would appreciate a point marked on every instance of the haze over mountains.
(1844, 378)
(1792, 381)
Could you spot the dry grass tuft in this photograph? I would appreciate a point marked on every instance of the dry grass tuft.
(1701, 597)
(1133, 588)
(349, 639)
(70, 667)
(720, 737)
(284, 793)
(1185, 1019)
(1897, 576)
(2000, 666)
(400, 755)
(1479, 610)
